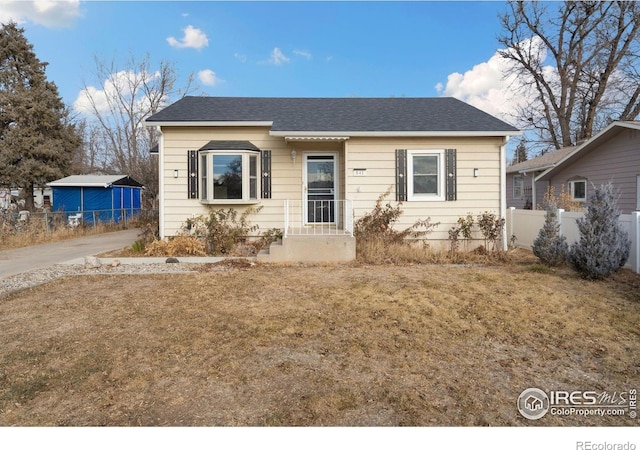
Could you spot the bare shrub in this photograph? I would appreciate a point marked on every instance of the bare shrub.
(176, 246)
(222, 230)
(377, 241)
(562, 200)
(491, 228)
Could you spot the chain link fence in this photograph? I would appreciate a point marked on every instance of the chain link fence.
(15, 222)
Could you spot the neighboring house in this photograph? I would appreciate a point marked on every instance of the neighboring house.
(315, 165)
(102, 198)
(613, 155)
(524, 190)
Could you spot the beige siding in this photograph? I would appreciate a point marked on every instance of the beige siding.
(286, 176)
(475, 195)
(616, 160)
(376, 155)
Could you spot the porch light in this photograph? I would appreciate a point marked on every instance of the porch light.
(175, 173)
(476, 172)
(293, 155)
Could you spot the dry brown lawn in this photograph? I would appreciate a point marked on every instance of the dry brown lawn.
(304, 345)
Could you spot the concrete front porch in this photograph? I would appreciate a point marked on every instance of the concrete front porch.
(311, 248)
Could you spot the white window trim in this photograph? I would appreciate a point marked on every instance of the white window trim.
(440, 196)
(245, 200)
(519, 196)
(572, 190)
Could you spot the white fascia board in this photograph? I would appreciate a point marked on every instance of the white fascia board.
(536, 169)
(102, 185)
(294, 134)
(238, 123)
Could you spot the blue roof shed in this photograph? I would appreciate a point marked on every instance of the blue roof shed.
(103, 197)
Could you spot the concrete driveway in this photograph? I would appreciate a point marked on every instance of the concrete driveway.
(21, 260)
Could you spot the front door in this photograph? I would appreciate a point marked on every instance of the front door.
(320, 188)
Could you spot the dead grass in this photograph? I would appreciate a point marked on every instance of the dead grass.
(304, 345)
(34, 232)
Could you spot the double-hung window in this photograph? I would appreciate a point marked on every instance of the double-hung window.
(517, 187)
(578, 189)
(426, 175)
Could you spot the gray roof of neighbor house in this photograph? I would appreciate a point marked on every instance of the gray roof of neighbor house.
(339, 115)
(95, 181)
(542, 162)
(594, 142)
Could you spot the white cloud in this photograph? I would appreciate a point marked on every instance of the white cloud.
(193, 38)
(100, 99)
(277, 57)
(490, 87)
(304, 53)
(240, 57)
(49, 13)
(208, 77)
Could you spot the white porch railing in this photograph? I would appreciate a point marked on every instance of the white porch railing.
(318, 217)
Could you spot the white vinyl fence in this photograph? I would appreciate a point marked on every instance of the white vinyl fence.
(526, 224)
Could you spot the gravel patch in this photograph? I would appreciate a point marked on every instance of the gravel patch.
(37, 277)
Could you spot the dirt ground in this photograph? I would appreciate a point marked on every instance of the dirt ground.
(305, 345)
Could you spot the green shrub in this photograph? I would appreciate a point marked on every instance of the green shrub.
(550, 246)
(604, 246)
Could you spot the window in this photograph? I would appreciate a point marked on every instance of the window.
(425, 175)
(517, 186)
(228, 176)
(578, 190)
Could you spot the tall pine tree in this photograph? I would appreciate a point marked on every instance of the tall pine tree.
(37, 141)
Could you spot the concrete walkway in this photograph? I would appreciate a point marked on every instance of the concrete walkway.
(13, 262)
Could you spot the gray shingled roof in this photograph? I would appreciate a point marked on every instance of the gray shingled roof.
(542, 162)
(337, 114)
(230, 145)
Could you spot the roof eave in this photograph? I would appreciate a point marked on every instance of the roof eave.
(593, 141)
(206, 123)
(309, 133)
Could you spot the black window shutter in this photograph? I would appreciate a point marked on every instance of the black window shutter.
(451, 171)
(266, 173)
(192, 165)
(401, 175)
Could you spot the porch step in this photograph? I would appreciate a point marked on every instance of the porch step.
(333, 248)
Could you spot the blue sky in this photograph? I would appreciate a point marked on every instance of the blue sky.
(334, 49)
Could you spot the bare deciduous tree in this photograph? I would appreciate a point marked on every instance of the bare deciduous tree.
(118, 107)
(592, 76)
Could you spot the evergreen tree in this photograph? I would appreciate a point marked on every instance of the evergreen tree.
(550, 246)
(604, 246)
(37, 142)
(521, 153)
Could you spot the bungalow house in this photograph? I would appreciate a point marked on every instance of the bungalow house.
(315, 165)
(613, 155)
(524, 190)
